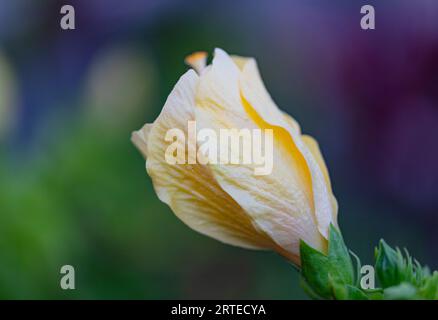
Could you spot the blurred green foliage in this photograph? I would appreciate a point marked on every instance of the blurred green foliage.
(82, 197)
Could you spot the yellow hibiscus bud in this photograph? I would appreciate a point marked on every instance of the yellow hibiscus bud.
(229, 202)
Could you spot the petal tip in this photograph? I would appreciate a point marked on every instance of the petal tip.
(139, 139)
(197, 60)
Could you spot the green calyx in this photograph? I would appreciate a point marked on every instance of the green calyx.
(330, 276)
(402, 277)
(333, 276)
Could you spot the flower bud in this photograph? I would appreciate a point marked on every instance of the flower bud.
(230, 202)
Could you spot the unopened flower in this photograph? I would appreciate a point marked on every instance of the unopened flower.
(228, 201)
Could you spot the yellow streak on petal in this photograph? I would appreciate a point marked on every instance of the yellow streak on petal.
(288, 144)
(254, 91)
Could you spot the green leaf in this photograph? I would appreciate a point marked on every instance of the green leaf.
(315, 270)
(341, 267)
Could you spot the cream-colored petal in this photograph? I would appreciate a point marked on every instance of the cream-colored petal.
(255, 93)
(191, 190)
(279, 203)
(292, 122)
(252, 87)
(240, 61)
(256, 82)
(140, 139)
(313, 146)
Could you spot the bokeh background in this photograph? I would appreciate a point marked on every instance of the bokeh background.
(73, 189)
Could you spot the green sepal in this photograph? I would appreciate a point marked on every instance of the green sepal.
(308, 289)
(429, 290)
(345, 291)
(327, 275)
(341, 267)
(355, 293)
(393, 268)
(332, 276)
(315, 270)
(375, 294)
(358, 268)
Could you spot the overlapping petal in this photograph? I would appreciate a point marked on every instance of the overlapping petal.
(282, 203)
(255, 93)
(191, 190)
(228, 201)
